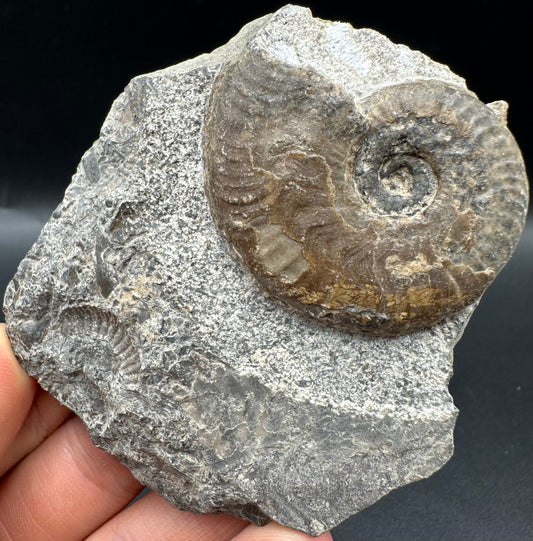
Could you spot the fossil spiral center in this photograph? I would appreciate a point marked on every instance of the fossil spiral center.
(402, 184)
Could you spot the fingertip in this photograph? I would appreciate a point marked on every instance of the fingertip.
(152, 517)
(45, 416)
(16, 392)
(10, 370)
(67, 488)
(276, 532)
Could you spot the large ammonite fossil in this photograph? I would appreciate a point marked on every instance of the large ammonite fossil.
(384, 215)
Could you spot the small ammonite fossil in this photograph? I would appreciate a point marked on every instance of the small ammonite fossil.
(98, 336)
(383, 215)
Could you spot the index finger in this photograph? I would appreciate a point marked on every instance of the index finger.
(16, 393)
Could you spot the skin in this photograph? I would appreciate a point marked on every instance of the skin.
(55, 484)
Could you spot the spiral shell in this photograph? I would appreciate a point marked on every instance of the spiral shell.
(103, 339)
(382, 215)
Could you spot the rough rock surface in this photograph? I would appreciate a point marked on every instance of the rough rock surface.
(131, 311)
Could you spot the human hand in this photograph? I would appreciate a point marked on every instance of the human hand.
(55, 485)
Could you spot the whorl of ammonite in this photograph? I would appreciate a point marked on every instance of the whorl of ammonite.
(384, 215)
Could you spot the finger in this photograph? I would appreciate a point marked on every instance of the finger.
(45, 415)
(65, 489)
(16, 393)
(152, 517)
(276, 532)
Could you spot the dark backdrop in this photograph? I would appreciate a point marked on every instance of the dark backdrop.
(62, 64)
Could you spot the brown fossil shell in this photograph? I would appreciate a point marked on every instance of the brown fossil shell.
(384, 215)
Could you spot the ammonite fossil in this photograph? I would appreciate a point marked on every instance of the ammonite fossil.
(384, 214)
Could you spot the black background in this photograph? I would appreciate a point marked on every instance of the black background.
(63, 63)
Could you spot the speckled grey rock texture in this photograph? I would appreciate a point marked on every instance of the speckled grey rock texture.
(131, 310)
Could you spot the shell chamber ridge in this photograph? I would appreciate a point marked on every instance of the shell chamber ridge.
(384, 215)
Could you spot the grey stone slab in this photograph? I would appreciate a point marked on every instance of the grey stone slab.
(136, 312)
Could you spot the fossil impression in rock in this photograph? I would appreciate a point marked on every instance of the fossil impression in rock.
(252, 289)
(375, 214)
